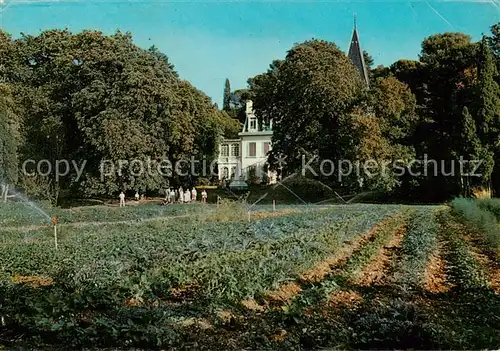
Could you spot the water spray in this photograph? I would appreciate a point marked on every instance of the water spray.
(54, 223)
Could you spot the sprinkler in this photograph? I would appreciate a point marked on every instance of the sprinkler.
(54, 223)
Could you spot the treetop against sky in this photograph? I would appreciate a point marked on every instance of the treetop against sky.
(209, 41)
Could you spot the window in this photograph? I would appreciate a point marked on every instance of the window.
(252, 149)
(233, 172)
(253, 123)
(224, 150)
(235, 150)
(225, 172)
(267, 147)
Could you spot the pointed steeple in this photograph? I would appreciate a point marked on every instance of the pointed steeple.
(356, 55)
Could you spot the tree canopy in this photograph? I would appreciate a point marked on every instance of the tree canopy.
(88, 96)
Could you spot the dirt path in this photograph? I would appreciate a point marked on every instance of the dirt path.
(435, 277)
(377, 272)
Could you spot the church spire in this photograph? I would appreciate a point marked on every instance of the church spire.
(356, 55)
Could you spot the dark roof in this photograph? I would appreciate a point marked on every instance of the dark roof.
(357, 58)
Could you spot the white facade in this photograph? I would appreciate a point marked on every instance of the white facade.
(245, 158)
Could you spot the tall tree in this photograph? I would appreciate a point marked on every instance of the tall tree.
(494, 40)
(443, 82)
(488, 96)
(99, 98)
(315, 99)
(488, 109)
(226, 104)
(469, 148)
(9, 141)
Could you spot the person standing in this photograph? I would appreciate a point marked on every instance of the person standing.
(172, 195)
(194, 194)
(137, 196)
(122, 199)
(187, 196)
(204, 196)
(181, 195)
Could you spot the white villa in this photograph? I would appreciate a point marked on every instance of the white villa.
(245, 158)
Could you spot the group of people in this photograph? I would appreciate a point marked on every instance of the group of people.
(183, 196)
(137, 198)
(172, 196)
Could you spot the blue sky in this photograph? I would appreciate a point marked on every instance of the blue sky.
(210, 40)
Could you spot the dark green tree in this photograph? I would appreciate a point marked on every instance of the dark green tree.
(488, 108)
(226, 103)
(98, 98)
(315, 100)
(488, 96)
(395, 106)
(9, 142)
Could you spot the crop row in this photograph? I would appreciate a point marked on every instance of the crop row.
(227, 258)
(464, 269)
(96, 271)
(478, 219)
(418, 244)
(352, 268)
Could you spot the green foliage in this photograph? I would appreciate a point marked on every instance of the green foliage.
(308, 96)
(395, 106)
(97, 269)
(439, 46)
(478, 219)
(23, 214)
(315, 98)
(227, 96)
(490, 205)
(9, 137)
(92, 97)
(488, 97)
(418, 244)
(465, 270)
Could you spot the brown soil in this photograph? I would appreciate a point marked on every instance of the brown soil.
(344, 298)
(284, 293)
(133, 302)
(376, 272)
(260, 215)
(184, 292)
(280, 336)
(252, 305)
(201, 323)
(435, 274)
(321, 270)
(35, 281)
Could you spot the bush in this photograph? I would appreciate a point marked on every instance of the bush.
(482, 220)
(491, 205)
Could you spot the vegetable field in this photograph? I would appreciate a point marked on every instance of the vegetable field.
(200, 276)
